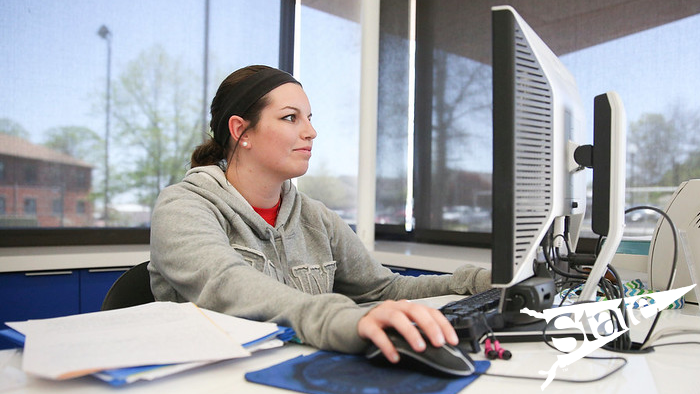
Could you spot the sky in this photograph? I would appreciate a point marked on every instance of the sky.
(55, 67)
(650, 70)
(54, 63)
(57, 61)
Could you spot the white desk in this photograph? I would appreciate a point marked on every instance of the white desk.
(671, 369)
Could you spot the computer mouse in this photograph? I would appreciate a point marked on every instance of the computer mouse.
(443, 360)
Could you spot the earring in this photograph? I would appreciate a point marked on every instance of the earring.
(244, 143)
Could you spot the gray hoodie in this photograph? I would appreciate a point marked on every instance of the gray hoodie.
(309, 272)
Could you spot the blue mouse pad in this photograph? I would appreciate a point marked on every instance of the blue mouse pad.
(335, 373)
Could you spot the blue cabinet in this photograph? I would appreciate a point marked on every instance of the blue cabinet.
(39, 295)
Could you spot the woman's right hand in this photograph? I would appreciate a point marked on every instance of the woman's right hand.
(406, 318)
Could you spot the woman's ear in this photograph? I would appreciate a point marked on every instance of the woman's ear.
(236, 126)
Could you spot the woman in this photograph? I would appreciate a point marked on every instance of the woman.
(235, 236)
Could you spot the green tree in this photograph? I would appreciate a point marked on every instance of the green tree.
(332, 190)
(156, 115)
(336, 192)
(688, 169)
(9, 126)
(686, 159)
(84, 144)
(663, 150)
(76, 141)
(652, 149)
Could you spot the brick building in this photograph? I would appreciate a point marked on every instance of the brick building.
(41, 187)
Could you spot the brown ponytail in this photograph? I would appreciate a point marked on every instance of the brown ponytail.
(209, 153)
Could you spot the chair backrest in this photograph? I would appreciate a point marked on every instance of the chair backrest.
(132, 288)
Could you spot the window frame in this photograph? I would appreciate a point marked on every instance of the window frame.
(422, 174)
(71, 236)
(422, 153)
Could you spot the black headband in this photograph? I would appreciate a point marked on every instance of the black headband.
(249, 91)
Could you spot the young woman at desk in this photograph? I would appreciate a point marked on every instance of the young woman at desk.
(236, 236)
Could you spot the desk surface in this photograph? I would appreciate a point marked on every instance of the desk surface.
(669, 369)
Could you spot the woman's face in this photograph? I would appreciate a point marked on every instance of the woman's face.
(280, 145)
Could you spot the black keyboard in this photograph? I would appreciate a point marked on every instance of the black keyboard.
(475, 315)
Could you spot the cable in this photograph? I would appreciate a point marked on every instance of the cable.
(552, 264)
(546, 342)
(623, 343)
(624, 362)
(551, 255)
(553, 267)
(573, 285)
(674, 263)
(674, 233)
(670, 333)
(492, 335)
(674, 343)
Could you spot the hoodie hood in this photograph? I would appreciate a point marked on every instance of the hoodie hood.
(210, 182)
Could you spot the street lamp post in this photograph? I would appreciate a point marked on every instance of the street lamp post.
(205, 73)
(107, 36)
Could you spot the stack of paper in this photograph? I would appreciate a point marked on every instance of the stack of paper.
(141, 342)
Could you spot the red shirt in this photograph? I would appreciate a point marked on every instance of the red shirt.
(269, 214)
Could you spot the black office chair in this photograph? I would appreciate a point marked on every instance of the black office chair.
(132, 288)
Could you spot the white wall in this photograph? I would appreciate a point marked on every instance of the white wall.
(71, 257)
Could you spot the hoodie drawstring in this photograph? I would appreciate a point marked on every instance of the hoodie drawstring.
(280, 268)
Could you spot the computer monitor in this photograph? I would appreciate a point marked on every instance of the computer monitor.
(539, 189)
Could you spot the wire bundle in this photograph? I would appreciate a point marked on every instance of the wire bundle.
(610, 285)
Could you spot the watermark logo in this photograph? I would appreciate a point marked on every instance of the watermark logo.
(597, 316)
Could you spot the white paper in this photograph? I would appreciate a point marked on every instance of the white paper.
(10, 377)
(155, 373)
(242, 330)
(155, 333)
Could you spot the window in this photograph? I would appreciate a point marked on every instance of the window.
(57, 207)
(30, 206)
(107, 141)
(331, 31)
(80, 207)
(123, 101)
(82, 178)
(30, 174)
(447, 183)
(395, 111)
(2, 205)
(661, 103)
